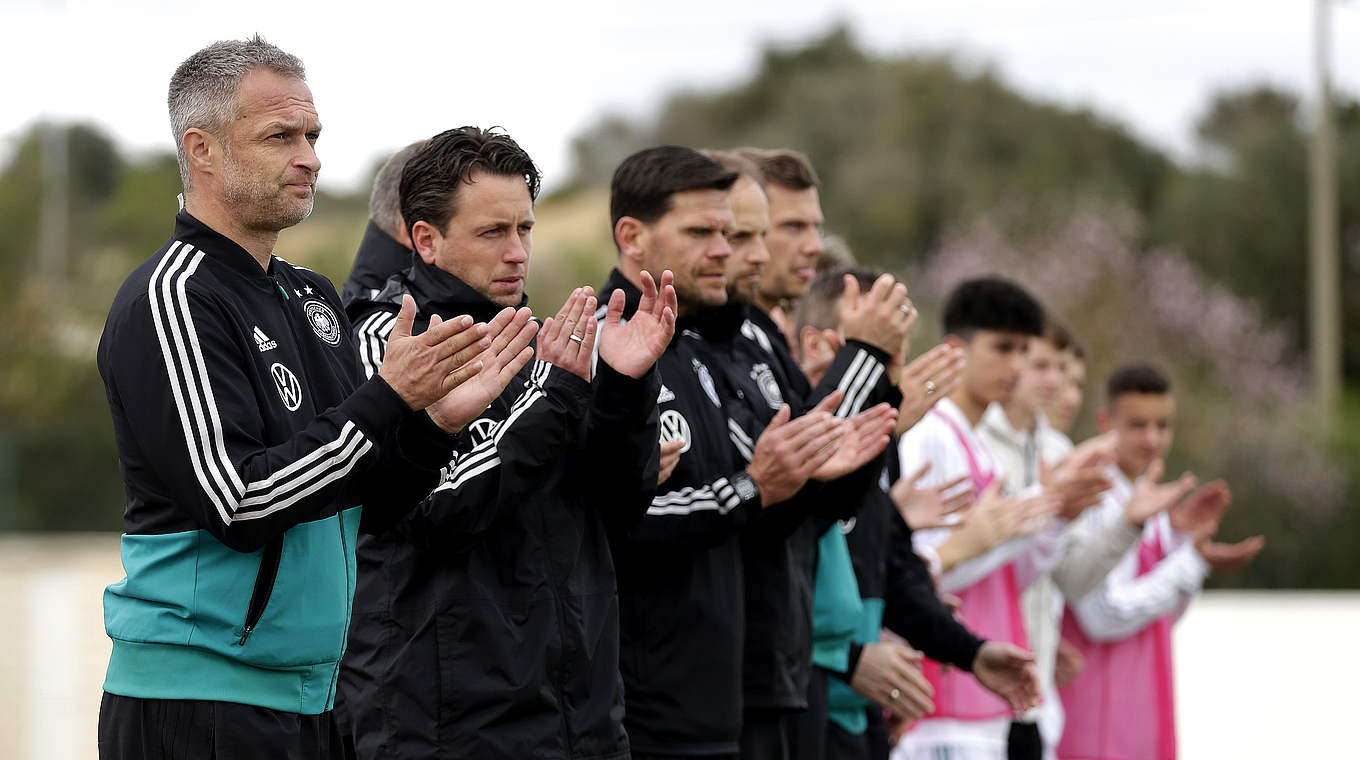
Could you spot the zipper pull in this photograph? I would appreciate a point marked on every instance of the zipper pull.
(245, 634)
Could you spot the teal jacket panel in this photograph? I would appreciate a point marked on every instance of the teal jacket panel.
(836, 607)
(177, 619)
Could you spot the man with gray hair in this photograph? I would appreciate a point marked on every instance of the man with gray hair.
(386, 247)
(248, 436)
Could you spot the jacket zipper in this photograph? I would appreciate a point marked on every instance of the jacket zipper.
(264, 587)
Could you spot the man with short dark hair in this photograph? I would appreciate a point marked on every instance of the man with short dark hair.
(1122, 703)
(896, 588)
(1025, 447)
(486, 622)
(993, 321)
(252, 448)
(386, 245)
(680, 569)
(795, 239)
(779, 554)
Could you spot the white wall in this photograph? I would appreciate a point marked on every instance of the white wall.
(1258, 674)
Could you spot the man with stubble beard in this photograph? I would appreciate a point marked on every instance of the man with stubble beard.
(682, 610)
(778, 552)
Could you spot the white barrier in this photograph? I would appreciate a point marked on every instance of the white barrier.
(1258, 674)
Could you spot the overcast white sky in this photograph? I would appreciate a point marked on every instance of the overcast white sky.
(386, 73)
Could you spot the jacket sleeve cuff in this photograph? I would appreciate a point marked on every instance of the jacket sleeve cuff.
(874, 351)
(968, 652)
(635, 394)
(424, 443)
(553, 378)
(856, 650)
(376, 409)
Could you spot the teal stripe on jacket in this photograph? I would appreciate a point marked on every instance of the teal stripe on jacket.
(836, 607)
(846, 706)
(176, 619)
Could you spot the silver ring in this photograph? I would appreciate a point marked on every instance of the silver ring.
(906, 308)
(930, 388)
(575, 338)
(894, 694)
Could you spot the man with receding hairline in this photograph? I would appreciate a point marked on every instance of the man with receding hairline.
(252, 449)
(386, 246)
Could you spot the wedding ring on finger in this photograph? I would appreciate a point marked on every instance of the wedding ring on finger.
(931, 388)
(575, 338)
(907, 308)
(894, 694)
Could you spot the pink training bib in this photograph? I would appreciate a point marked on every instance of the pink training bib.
(991, 609)
(1121, 706)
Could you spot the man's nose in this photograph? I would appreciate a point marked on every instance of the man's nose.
(308, 159)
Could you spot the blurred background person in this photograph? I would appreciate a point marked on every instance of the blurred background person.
(386, 246)
(1123, 703)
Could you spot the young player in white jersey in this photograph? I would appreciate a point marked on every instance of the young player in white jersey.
(993, 320)
(1121, 705)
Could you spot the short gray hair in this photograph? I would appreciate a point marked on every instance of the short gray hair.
(203, 89)
(384, 205)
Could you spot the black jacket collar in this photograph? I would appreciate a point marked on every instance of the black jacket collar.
(717, 324)
(221, 248)
(764, 322)
(438, 292)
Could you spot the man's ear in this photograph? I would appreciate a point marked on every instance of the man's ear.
(1103, 421)
(201, 151)
(425, 240)
(630, 235)
(809, 341)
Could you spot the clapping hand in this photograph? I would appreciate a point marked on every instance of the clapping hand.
(568, 340)
(1150, 497)
(632, 348)
(932, 507)
(788, 451)
(882, 317)
(1080, 479)
(422, 368)
(929, 378)
(508, 336)
(863, 438)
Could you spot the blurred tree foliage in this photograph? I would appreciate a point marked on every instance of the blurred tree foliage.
(920, 157)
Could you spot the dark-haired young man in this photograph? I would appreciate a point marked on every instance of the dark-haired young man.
(895, 586)
(486, 621)
(680, 569)
(386, 245)
(779, 553)
(1122, 704)
(1018, 435)
(993, 320)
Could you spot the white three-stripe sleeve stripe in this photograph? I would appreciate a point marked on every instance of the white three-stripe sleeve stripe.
(741, 440)
(373, 332)
(202, 425)
(719, 496)
(485, 455)
(857, 381)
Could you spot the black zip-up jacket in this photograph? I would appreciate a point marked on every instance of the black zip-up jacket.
(247, 438)
(887, 568)
(680, 580)
(779, 550)
(486, 622)
(379, 257)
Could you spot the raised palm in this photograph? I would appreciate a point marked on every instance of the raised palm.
(510, 334)
(632, 347)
